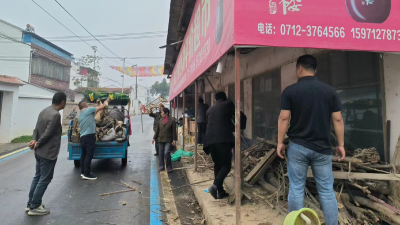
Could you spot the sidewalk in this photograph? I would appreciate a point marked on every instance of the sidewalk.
(10, 147)
(220, 212)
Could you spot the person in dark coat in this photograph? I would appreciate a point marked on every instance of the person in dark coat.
(219, 141)
(157, 117)
(165, 136)
(201, 121)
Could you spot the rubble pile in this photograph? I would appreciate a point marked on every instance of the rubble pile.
(109, 125)
(367, 190)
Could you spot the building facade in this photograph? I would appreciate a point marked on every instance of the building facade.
(42, 67)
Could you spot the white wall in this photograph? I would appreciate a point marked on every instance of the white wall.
(391, 68)
(13, 50)
(8, 112)
(78, 97)
(27, 114)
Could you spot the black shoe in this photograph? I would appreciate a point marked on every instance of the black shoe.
(89, 177)
(213, 191)
(222, 195)
(156, 154)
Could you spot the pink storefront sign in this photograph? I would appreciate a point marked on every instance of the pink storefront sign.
(208, 37)
(367, 25)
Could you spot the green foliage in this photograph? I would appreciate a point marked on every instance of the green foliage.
(22, 139)
(89, 91)
(160, 88)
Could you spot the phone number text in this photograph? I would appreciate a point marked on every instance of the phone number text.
(376, 34)
(313, 31)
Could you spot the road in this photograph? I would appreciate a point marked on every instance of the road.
(68, 197)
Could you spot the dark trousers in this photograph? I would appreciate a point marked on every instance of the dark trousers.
(165, 154)
(43, 176)
(201, 132)
(88, 143)
(222, 157)
(156, 145)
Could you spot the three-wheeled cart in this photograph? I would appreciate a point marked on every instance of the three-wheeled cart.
(103, 150)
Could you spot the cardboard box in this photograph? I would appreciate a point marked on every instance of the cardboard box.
(192, 126)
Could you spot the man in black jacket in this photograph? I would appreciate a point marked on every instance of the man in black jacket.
(157, 117)
(201, 120)
(219, 141)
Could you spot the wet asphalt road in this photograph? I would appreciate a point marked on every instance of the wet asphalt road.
(68, 197)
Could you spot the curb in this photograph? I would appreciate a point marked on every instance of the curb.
(197, 193)
(169, 200)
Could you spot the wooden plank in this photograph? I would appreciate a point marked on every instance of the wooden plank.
(259, 166)
(230, 188)
(263, 168)
(359, 176)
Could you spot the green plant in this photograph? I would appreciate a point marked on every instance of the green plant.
(22, 139)
(161, 88)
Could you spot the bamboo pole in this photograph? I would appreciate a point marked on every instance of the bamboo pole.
(196, 96)
(183, 133)
(238, 167)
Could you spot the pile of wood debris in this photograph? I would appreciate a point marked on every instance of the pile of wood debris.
(367, 190)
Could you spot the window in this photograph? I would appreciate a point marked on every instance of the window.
(92, 83)
(355, 76)
(266, 104)
(47, 68)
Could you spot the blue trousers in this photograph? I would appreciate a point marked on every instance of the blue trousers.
(43, 176)
(299, 158)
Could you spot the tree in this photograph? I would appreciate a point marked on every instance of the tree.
(160, 88)
(92, 64)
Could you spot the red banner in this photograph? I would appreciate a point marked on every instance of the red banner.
(368, 25)
(208, 37)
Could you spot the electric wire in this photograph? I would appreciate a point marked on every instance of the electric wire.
(69, 29)
(87, 30)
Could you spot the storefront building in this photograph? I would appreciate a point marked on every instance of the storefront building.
(254, 46)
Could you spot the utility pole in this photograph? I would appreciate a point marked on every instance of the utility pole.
(123, 75)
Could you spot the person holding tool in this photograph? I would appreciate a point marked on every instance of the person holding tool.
(310, 105)
(201, 120)
(165, 135)
(87, 125)
(219, 141)
(46, 144)
(157, 117)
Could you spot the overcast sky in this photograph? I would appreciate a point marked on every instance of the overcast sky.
(99, 17)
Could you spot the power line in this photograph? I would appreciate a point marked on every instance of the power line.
(86, 29)
(111, 39)
(139, 57)
(69, 29)
(107, 39)
(108, 35)
(112, 35)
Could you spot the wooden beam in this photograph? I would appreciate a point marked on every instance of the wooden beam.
(253, 173)
(359, 176)
(195, 126)
(238, 160)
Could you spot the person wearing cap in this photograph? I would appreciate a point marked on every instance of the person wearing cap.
(157, 117)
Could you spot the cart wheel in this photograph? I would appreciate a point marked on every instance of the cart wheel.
(77, 163)
(125, 160)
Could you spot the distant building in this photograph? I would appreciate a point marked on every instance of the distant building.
(143, 98)
(32, 70)
(78, 72)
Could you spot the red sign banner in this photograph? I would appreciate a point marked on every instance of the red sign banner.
(208, 37)
(368, 25)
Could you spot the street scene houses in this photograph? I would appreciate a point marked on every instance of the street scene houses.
(233, 141)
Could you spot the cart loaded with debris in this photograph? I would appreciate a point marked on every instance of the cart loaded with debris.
(113, 128)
